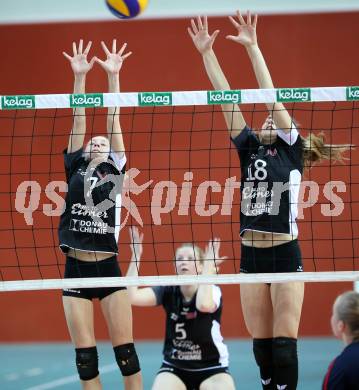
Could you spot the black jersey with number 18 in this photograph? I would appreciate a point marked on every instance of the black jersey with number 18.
(270, 182)
(91, 219)
(193, 338)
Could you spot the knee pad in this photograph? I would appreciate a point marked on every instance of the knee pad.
(127, 359)
(262, 350)
(285, 351)
(87, 363)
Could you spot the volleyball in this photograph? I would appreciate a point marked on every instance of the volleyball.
(126, 9)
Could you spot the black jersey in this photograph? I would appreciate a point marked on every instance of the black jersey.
(91, 219)
(193, 339)
(270, 182)
(343, 372)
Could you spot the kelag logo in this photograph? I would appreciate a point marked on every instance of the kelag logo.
(224, 97)
(20, 102)
(155, 98)
(293, 95)
(86, 100)
(352, 93)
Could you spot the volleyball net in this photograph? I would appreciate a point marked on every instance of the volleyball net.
(182, 183)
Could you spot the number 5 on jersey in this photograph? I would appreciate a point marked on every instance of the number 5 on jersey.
(180, 332)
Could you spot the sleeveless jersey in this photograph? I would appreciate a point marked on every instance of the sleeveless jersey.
(91, 219)
(193, 339)
(270, 181)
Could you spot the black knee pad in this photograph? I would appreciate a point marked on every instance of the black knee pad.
(87, 363)
(285, 351)
(127, 359)
(262, 350)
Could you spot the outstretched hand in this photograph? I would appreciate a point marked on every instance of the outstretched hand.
(136, 243)
(114, 60)
(247, 35)
(212, 259)
(79, 62)
(200, 36)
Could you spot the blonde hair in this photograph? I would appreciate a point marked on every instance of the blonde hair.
(347, 310)
(199, 254)
(315, 150)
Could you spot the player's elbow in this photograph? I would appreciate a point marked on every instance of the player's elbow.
(206, 307)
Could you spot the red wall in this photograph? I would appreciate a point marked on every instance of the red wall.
(302, 50)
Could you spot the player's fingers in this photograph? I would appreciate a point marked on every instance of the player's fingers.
(214, 35)
(88, 47)
(126, 55)
(67, 56)
(99, 61)
(190, 32)
(199, 23)
(105, 49)
(123, 47)
(194, 27)
(255, 20)
(93, 60)
(234, 22)
(240, 17)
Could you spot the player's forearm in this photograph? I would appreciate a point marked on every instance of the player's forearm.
(204, 301)
(260, 67)
(132, 271)
(214, 71)
(79, 121)
(232, 115)
(114, 130)
(279, 113)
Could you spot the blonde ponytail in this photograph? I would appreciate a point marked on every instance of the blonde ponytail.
(315, 150)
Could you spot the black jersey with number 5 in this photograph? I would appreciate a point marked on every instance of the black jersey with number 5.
(91, 219)
(270, 182)
(193, 338)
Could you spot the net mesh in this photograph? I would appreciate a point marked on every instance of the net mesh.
(182, 182)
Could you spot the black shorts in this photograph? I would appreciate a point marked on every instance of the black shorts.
(192, 379)
(281, 258)
(75, 268)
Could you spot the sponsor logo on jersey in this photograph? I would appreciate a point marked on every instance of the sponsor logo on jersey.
(86, 100)
(72, 291)
(174, 316)
(352, 93)
(155, 98)
(20, 102)
(224, 97)
(293, 95)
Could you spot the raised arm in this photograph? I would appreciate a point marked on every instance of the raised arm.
(138, 296)
(204, 44)
(80, 66)
(247, 36)
(207, 299)
(112, 65)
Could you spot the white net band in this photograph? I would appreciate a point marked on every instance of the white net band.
(173, 280)
(180, 98)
